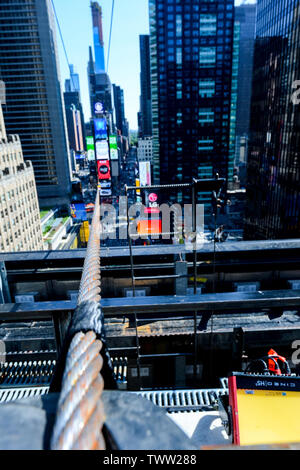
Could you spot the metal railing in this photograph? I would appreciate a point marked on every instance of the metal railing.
(80, 415)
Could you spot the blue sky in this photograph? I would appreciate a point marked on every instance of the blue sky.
(130, 20)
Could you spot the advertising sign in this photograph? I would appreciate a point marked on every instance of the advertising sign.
(78, 212)
(99, 108)
(102, 152)
(113, 144)
(145, 173)
(90, 148)
(103, 169)
(100, 126)
(153, 207)
(149, 227)
(138, 185)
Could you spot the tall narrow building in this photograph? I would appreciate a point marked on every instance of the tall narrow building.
(72, 84)
(98, 37)
(145, 115)
(34, 103)
(191, 71)
(74, 112)
(273, 189)
(245, 17)
(99, 82)
(119, 105)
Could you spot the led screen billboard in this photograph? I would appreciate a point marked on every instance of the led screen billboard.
(102, 152)
(103, 167)
(114, 155)
(90, 148)
(149, 227)
(78, 212)
(145, 173)
(100, 127)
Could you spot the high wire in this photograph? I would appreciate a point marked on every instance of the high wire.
(63, 42)
(110, 33)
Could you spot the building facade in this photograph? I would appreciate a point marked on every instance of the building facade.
(20, 228)
(245, 16)
(145, 149)
(73, 83)
(98, 37)
(191, 68)
(145, 114)
(34, 103)
(273, 189)
(119, 105)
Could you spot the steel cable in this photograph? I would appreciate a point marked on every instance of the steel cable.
(80, 415)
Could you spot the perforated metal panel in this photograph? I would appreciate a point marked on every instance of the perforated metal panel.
(26, 373)
(12, 394)
(184, 400)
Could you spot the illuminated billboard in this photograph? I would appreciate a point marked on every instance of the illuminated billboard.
(90, 148)
(152, 203)
(145, 173)
(78, 212)
(103, 167)
(100, 127)
(149, 227)
(113, 144)
(102, 152)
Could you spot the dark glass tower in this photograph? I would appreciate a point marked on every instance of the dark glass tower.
(119, 106)
(191, 72)
(274, 149)
(245, 15)
(34, 104)
(145, 115)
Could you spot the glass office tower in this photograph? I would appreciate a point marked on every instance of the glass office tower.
(145, 124)
(191, 50)
(273, 207)
(34, 104)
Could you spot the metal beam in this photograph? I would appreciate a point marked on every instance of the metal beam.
(284, 299)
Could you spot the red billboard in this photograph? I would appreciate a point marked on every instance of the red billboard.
(103, 169)
(149, 227)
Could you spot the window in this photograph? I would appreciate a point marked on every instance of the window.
(207, 87)
(207, 57)
(208, 25)
(206, 116)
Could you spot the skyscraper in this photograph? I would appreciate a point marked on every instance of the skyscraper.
(98, 37)
(273, 207)
(34, 104)
(119, 105)
(245, 16)
(72, 84)
(74, 112)
(191, 68)
(99, 81)
(74, 123)
(145, 115)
